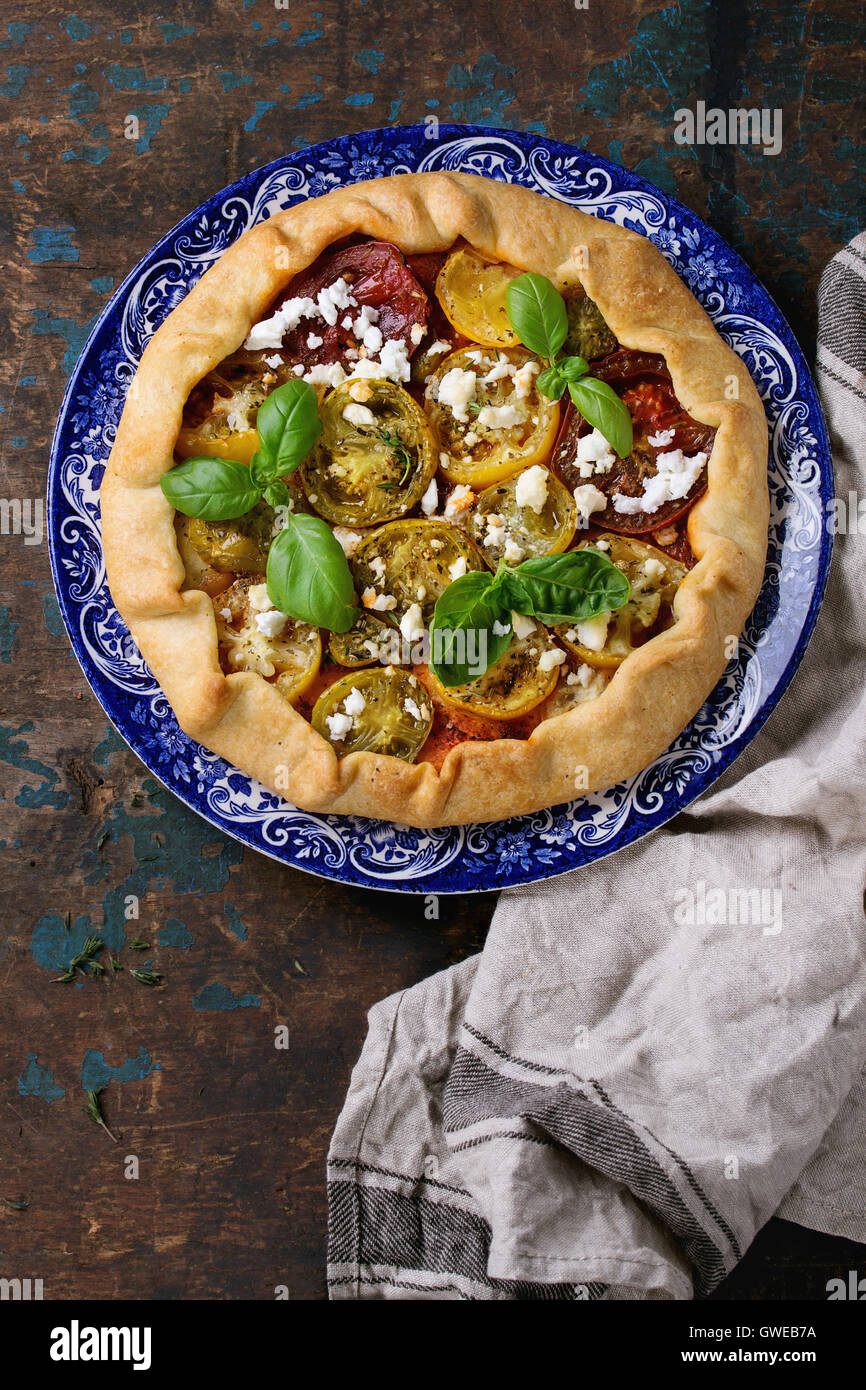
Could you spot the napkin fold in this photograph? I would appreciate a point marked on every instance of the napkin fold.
(613, 1098)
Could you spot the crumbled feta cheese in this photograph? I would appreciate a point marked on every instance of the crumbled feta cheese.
(589, 499)
(373, 339)
(395, 360)
(365, 320)
(676, 475)
(593, 633)
(661, 439)
(531, 488)
(359, 415)
(416, 333)
(271, 623)
(430, 500)
(314, 341)
(523, 626)
(458, 569)
(257, 597)
(360, 391)
(523, 379)
(354, 702)
(438, 347)
(270, 332)
(348, 540)
(500, 629)
(498, 417)
(514, 553)
(338, 725)
(500, 369)
(333, 298)
(459, 501)
(549, 659)
(594, 455)
(226, 615)
(411, 626)
(275, 360)
(456, 390)
(653, 569)
(377, 565)
(325, 374)
(411, 708)
(583, 676)
(380, 603)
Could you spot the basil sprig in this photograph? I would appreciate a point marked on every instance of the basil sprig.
(537, 313)
(288, 425)
(308, 575)
(569, 588)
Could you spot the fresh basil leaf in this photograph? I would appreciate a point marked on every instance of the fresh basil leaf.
(602, 408)
(572, 587)
(262, 470)
(536, 312)
(550, 383)
(572, 368)
(288, 425)
(308, 575)
(215, 489)
(462, 638)
(277, 494)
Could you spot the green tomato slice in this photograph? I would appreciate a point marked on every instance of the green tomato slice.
(505, 530)
(373, 460)
(413, 562)
(395, 718)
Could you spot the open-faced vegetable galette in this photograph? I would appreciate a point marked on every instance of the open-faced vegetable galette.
(437, 501)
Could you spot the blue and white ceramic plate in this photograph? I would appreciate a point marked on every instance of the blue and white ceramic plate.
(518, 851)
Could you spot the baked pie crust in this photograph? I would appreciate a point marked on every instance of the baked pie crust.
(658, 688)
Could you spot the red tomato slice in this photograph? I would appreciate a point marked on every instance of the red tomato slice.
(378, 276)
(644, 384)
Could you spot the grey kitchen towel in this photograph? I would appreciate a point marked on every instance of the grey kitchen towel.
(612, 1099)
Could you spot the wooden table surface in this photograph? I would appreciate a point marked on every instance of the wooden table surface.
(230, 1132)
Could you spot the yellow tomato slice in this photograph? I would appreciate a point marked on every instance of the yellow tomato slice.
(193, 442)
(412, 561)
(654, 579)
(471, 289)
(473, 446)
(290, 659)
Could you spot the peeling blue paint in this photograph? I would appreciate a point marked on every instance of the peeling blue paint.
(15, 755)
(261, 108)
(234, 922)
(36, 1080)
(16, 76)
(369, 59)
(150, 119)
(8, 629)
(52, 244)
(396, 107)
(51, 614)
(171, 32)
(82, 100)
(133, 79)
(359, 99)
(91, 154)
(102, 284)
(74, 334)
(76, 28)
(308, 99)
(53, 944)
(175, 934)
(489, 106)
(97, 1073)
(308, 36)
(230, 80)
(218, 996)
